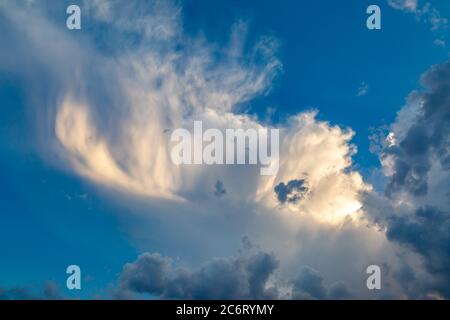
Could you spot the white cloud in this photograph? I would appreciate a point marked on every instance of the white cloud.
(363, 89)
(156, 19)
(106, 118)
(321, 155)
(440, 42)
(433, 17)
(426, 13)
(407, 5)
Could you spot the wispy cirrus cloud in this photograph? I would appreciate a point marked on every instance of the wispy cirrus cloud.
(363, 89)
(426, 13)
(407, 5)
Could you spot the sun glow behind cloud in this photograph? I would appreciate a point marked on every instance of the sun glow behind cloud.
(162, 89)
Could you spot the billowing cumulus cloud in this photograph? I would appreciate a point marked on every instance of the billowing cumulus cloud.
(420, 140)
(333, 188)
(245, 276)
(309, 285)
(251, 274)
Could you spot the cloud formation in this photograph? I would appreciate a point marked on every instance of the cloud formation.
(426, 13)
(363, 89)
(251, 274)
(408, 5)
(416, 160)
(309, 285)
(421, 140)
(109, 114)
(244, 276)
(106, 115)
(427, 231)
(50, 291)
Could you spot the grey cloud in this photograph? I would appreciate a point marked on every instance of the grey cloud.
(309, 285)
(418, 161)
(339, 291)
(148, 274)
(244, 276)
(410, 171)
(428, 233)
(428, 137)
(50, 291)
(292, 192)
(219, 189)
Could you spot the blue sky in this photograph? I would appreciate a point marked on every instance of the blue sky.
(52, 215)
(327, 53)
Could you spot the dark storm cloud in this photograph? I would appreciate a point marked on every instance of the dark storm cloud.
(292, 192)
(309, 285)
(412, 163)
(244, 276)
(429, 136)
(428, 233)
(424, 229)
